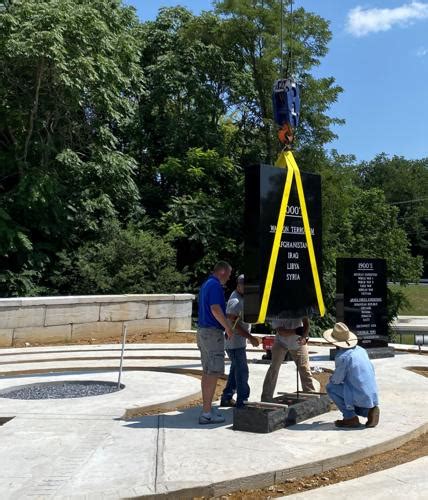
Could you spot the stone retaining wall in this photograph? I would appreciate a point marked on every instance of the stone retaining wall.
(90, 317)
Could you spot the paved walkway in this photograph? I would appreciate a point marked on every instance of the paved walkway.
(82, 449)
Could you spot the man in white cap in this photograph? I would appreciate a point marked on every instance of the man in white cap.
(352, 386)
(235, 346)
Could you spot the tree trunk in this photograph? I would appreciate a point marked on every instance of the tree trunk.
(33, 114)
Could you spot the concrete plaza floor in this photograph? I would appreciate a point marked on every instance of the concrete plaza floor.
(82, 448)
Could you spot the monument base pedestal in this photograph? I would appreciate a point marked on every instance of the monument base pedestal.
(380, 352)
(264, 420)
(373, 352)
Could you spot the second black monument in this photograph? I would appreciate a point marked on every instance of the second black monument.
(361, 302)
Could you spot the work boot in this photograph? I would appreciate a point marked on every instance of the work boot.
(351, 423)
(227, 403)
(373, 417)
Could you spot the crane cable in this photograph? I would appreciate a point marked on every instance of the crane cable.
(281, 40)
(290, 62)
(285, 93)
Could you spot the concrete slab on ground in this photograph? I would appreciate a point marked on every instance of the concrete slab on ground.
(93, 453)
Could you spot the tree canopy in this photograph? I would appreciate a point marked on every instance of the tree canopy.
(123, 145)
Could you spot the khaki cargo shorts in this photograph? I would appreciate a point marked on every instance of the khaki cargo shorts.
(211, 344)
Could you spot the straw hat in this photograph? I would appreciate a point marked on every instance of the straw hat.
(341, 336)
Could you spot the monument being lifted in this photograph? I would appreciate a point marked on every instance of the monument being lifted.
(282, 257)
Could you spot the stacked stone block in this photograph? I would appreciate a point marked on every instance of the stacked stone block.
(65, 319)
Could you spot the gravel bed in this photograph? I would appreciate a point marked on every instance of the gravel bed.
(60, 390)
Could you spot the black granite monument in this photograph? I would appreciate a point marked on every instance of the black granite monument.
(293, 291)
(361, 300)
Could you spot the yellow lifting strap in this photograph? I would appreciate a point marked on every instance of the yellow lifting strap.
(286, 160)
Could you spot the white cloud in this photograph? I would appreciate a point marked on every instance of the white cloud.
(361, 21)
(422, 52)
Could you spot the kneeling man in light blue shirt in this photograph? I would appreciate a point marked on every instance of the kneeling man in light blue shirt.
(353, 384)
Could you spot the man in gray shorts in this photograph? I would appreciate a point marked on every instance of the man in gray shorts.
(212, 323)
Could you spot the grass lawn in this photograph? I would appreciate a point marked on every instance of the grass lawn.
(417, 295)
(404, 338)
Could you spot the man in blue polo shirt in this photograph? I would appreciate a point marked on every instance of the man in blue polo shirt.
(212, 323)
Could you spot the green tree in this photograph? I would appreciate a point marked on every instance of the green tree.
(127, 260)
(371, 229)
(204, 216)
(405, 185)
(70, 79)
(358, 221)
(188, 76)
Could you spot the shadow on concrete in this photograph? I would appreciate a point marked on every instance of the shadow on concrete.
(319, 357)
(322, 426)
(95, 349)
(187, 419)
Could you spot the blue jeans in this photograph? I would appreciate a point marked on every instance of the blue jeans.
(335, 392)
(238, 377)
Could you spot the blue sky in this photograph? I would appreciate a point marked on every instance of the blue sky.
(379, 55)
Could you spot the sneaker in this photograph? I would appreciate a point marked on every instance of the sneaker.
(373, 417)
(216, 411)
(227, 403)
(212, 419)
